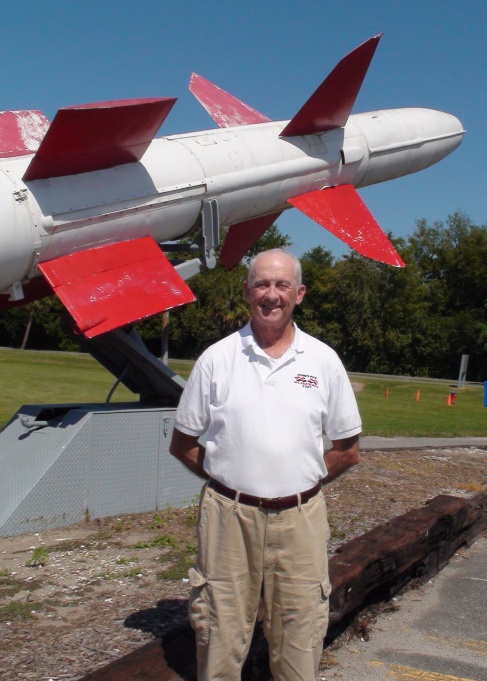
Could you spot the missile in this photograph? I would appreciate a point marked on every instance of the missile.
(88, 201)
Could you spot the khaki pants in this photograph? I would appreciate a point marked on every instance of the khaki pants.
(241, 549)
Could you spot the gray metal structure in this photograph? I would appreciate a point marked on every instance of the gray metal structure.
(89, 461)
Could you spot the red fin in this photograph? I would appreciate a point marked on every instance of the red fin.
(342, 212)
(107, 287)
(242, 236)
(330, 105)
(21, 132)
(225, 109)
(98, 136)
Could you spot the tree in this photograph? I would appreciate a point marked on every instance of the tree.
(272, 238)
(381, 318)
(37, 325)
(313, 315)
(220, 309)
(452, 260)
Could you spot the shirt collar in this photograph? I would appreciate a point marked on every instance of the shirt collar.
(248, 340)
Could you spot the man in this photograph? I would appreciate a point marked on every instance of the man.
(263, 397)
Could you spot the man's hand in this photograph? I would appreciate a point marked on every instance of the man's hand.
(343, 455)
(188, 450)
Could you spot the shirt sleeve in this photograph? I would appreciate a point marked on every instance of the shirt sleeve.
(192, 415)
(342, 419)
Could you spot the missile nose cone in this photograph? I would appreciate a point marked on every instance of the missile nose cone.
(458, 129)
(404, 141)
(448, 126)
(438, 133)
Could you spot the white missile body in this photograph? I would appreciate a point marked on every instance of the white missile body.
(251, 171)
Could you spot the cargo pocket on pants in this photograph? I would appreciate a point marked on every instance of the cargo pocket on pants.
(321, 622)
(199, 612)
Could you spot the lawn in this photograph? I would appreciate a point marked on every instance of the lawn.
(30, 377)
(401, 413)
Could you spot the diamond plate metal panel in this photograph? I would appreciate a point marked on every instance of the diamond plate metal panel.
(29, 498)
(93, 461)
(124, 454)
(58, 499)
(177, 486)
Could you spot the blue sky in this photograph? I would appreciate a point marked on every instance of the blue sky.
(272, 55)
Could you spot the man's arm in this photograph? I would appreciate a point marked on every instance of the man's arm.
(343, 455)
(188, 450)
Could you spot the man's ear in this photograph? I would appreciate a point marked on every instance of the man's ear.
(301, 292)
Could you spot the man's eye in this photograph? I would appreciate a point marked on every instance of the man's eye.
(280, 286)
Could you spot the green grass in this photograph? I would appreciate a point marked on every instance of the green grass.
(402, 415)
(10, 585)
(162, 541)
(29, 377)
(182, 367)
(19, 611)
(179, 570)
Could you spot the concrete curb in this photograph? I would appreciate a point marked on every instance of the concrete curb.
(375, 442)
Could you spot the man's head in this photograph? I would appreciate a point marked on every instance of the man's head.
(273, 289)
(275, 251)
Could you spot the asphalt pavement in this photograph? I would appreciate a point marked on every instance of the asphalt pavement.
(437, 632)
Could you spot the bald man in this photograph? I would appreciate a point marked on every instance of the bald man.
(262, 398)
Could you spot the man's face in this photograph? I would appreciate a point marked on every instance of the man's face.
(273, 291)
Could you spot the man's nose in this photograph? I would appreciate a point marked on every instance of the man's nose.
(272, 292)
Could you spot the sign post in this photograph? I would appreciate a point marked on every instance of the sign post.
(462, 376)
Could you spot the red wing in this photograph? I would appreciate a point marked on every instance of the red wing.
(107, 287)
(331, 104)
(225, 109)
(242, 236)
(342, 212)
(98, 136)
(21, 132)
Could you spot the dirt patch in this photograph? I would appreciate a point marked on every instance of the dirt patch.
(72, 600)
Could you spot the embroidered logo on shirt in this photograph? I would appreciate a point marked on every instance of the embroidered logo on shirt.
(306, 380)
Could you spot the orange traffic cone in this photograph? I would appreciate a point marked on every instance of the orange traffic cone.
(417, 396)
(387, 392)
(448, 402)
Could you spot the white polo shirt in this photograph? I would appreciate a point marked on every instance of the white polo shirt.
(263, 419)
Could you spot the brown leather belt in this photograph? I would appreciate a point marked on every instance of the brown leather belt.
(273, 503)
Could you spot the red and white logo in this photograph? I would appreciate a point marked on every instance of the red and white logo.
(306, 380)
